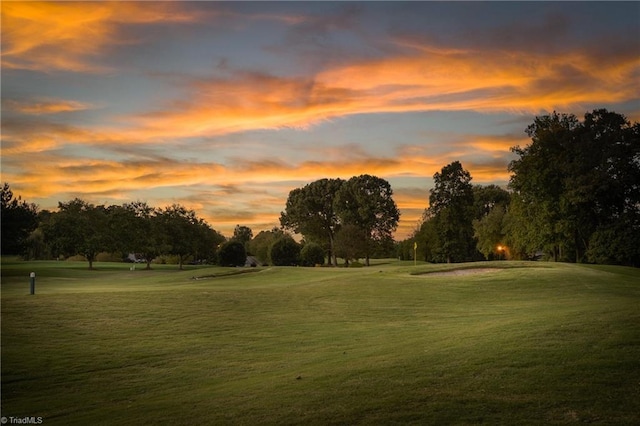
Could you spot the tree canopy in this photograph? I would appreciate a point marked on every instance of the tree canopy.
(366, 202)
(232, 253)
(319, 209)
(450, 214)
(79, 228)
(311, 254)
(285, 252)
(576, 179)
(243, 234)
(310, 211)
(19, 219)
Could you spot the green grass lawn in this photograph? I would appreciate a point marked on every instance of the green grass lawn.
(524, 343)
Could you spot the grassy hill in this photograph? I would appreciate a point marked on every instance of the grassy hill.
(502, 343)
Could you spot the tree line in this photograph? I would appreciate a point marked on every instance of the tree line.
(363, 204)
(81, 228)
(573, 195)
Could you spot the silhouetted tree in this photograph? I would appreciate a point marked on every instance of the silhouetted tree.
(19, 219)
(451, 204)
(310, 211)
(232, 253)
(367, 202)
(139, 230)
(244, 234)
(79, 227)
(285, 252)
(186, 234)
(574, 179)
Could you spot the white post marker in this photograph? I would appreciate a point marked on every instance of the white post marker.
(32, 283)
(415, 249)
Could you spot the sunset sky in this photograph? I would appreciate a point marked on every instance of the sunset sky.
(225, 107)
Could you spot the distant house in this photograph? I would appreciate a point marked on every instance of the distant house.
(135, 258)
(252, 262)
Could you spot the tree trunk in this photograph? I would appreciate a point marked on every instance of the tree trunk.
(332, 252)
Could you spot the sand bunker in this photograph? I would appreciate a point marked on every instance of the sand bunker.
(461, 272)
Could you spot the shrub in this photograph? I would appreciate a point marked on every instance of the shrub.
(232, 253)
(108, 257)
(615, 244)
(311, 254)
(76, 258)
(285, 252)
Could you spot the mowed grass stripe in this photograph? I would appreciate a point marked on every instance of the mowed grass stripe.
(529, 344)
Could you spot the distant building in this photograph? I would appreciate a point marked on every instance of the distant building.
(136, 258)
(252, 262)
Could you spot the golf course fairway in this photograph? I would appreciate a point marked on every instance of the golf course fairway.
(502, 343)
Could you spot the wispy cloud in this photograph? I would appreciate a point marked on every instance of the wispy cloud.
(42, 106)
(433, 78)
(428, 80)
(259, 186)
(50, 36)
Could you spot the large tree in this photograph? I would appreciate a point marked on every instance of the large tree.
(603, 181)
(187, 235)
(539, 177)
(19, 219)
(367, 202)
(79, 227)
(451, 208)
(310, 211)
(488, 197)
(139, 229)
(37, 248)
(573, 179)
(243, 234)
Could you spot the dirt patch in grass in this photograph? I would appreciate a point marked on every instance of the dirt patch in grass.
(461, 272)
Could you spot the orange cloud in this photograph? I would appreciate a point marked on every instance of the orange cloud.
(427, 80)
(496, 144)
(418, 77)
(44, 106)
(22, 138)
(223, 194)
(488, 81)
(32, 135)
(48, 36)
